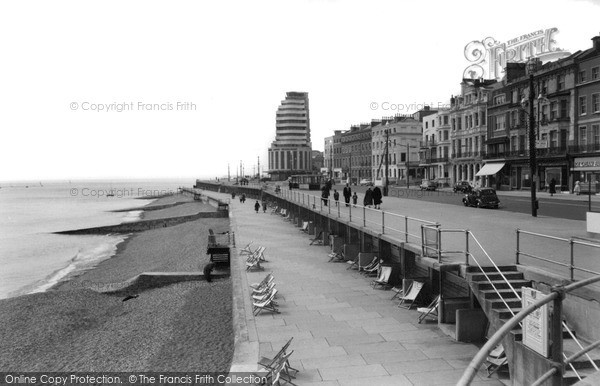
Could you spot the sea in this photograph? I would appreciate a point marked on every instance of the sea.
(33, 258)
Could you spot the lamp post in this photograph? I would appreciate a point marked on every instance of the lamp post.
(387, 159)
(531, 66)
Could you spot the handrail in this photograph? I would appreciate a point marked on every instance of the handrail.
(483, 353)
(573, 241)
(569, 360)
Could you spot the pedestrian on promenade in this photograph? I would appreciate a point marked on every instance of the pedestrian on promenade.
(243, 198)
(577, 188)
(377, 197)
(368, 200)
(354, 199)
(325, 195)
(257, 206)
(336, 197)
(552, 189)
(347, 194)
(264, 207)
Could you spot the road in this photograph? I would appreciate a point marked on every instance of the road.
(572, 209)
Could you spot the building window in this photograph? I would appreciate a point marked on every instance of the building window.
(564, 108)
(596, 103)
(582, 76)
(513, 119)
(560, 82)
(483, 117)
(544, 87)
(553, 139)
(582, 135)
(402, 157)
(453, 124)
(476, 119)
(544, 113)
(499, 99)
(553, 110)
(459, 123)
(446, 120)
(500, 122)
(445, 135)
(513, 143)
(426, 124)
(394, 158)
(596, 136)
(521, 142)
(595, 73)
(582, 105)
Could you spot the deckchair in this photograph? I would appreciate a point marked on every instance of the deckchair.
(267, 304)
(337, 257)
(429, 311)
(274, 209)
(269, 278)
(258, 294)
(304, 227)
(369, 266)
(260, 251)
(383, 278)
(278, 371)
(353, 264)
(270, 363)
(411, 296)
(253, 262)
(400, 291)
(317, 240)
(247, 250)
(269, 294)
(496, 361)
(372, 271)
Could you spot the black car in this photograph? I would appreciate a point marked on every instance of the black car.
(462, 186)
(482, 198)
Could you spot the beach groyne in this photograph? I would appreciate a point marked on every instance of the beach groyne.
(143, 225)
(150, 207)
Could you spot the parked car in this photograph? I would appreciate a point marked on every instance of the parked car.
(366, 182)
(443, 182)
(428, 185)
(462, 186)
(482, 198)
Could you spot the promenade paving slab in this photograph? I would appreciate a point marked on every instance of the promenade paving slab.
(344, 332)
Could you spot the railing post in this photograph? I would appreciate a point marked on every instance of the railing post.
(517, 252)
(406, 229)
(338, 206)
(557, 338)
(572, 250)
(439, 242)
(467, 246)
(303, 198)
(321, 205)
(382, 222)
(328, 205)
(350, 212)
(364, 216)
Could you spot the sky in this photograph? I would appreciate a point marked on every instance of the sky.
(156, 89)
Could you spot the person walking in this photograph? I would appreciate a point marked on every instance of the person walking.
(347, 194)
(354, 199)
(368, 200)
(577, 188)
(264, 204)
(552, 189)
(325, 195)
(336, 197)
(243, 198)
(257, 206)
(377, 197)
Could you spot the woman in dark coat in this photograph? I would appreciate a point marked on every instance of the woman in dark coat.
(368, 201)
(377, 197)
(552, 187)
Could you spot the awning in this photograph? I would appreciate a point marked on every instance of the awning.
(489, 169)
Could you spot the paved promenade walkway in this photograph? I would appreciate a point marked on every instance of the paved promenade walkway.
(345, 332)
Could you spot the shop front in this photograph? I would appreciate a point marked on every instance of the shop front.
(586, 170)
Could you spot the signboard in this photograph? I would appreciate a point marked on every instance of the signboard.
(489, 56)
(535, 325)
(541, 143)
(589, 163)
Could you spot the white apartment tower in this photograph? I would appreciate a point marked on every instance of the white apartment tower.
(291, 151)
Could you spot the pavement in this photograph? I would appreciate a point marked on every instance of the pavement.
(344, 332)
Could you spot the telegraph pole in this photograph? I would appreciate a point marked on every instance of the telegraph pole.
(407, 164)
(228, 173)
(387, 156)
(258, 158)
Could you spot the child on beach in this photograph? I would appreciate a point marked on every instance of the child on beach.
(257, 206)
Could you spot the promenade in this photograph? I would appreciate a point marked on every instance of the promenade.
(345, 332)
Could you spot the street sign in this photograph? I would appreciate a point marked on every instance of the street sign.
(535, 325)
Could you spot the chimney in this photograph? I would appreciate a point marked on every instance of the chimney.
(596, 43)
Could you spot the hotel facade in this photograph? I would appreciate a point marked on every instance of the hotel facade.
(291, 151)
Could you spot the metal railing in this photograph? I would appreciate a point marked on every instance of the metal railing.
(557, 355)
(404, 227)
(571, 242)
